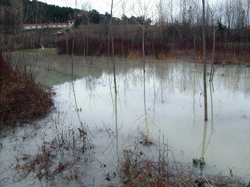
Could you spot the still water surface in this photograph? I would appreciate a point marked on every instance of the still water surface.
(166, 102)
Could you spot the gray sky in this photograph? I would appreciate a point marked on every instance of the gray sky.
(103, 5)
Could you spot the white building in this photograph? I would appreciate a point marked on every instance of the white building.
(49, 25)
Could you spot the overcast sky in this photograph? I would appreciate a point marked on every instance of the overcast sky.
(103, 6)
(100, 5)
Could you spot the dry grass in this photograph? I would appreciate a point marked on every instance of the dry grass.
(134, 55)
(137, 170)
(40, 52)
(131, 47)
(64, 157)
(224, 59)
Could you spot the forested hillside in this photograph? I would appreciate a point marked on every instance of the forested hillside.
(39, 12)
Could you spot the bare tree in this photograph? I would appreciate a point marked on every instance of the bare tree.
(194, 8)
(10, 23)
(212, 13)
(143, 9)
(162, 13)
(86, 8)
(248, 17)
(124, 24)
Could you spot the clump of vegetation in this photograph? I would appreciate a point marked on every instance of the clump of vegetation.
(199, 162)
(101, 47)
(138, 170)
(131, 47)
(64, 157)
(146, 141)
(21, 99)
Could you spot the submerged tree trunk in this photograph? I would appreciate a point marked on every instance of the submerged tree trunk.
(145, 105)
(204, 140)
(204, 61)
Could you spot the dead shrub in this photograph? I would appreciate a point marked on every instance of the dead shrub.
(21, 99)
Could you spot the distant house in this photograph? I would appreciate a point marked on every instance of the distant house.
(82, 14)
(69, 24)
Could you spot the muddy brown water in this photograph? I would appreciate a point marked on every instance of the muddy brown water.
(166, 102)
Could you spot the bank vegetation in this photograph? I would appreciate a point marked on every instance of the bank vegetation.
(21, 99)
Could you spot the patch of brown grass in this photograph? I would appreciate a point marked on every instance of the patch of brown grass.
(137, 170)
(224, 59)
(134, 55)
(21, 99)
(162, 56)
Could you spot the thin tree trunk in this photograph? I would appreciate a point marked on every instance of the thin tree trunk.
(195, 45)
(73, 48)
(116, 119)
(213, 55)
(194, 42)
(143, 47)
(123, 32)
(84, 43)
(67, 44)
(123, 53)
(113, 46)
(204, 61)
(87, 50)
(154, 55)
(212, 105)
(145, 104)
(204, 140)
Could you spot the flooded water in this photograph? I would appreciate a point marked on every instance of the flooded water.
(165, 104)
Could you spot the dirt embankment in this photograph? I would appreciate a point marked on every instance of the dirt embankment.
(21, 99)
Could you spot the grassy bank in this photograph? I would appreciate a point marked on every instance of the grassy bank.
(39, 52)
(21, 99)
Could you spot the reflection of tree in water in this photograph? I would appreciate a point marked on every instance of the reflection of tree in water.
(146, 119)
(171, 76)
(116, 123)
(114, 97)
(194, 100)
(162, 79)
(234, 79)
(77, 109)
(207, 140)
